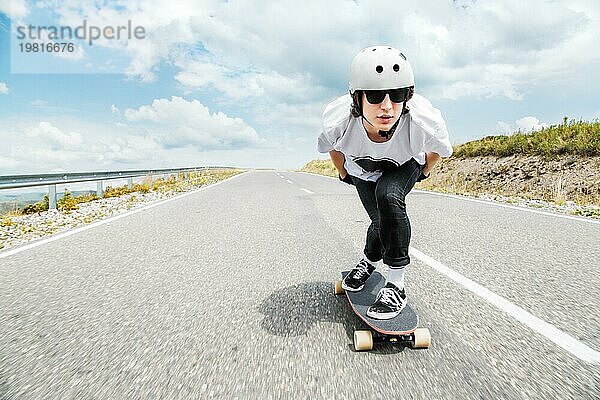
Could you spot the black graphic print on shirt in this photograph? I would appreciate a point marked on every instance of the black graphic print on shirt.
(371, 164)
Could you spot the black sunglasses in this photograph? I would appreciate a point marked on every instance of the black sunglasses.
(396, 95)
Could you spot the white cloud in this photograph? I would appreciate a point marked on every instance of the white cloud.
(179, 123)
(139, 144)
(523, 125)
(239, 85)
(58, 146)
(528, 124)
(3, 88)
(14, 8)
(505, 49)
(54, 138)
(460, 49)
(199, 75)
(114, 109)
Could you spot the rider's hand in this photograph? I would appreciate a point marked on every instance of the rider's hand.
(425, 171)
(347, 179)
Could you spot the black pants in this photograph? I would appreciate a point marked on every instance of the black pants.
(388, 236)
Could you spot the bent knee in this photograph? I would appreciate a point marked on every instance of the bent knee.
(391, 198)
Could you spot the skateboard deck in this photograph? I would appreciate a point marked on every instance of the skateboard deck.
(402, 328)
(406, 322)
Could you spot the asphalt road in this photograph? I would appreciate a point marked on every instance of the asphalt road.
(227, 293)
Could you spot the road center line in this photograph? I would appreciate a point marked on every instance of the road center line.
(307, 191)
(567, 342)
(288, 181)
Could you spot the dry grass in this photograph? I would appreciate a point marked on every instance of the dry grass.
(322, 167)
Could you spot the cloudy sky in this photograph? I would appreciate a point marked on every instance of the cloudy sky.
(243, 83)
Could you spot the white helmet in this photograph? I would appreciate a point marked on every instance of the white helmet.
(380, 67)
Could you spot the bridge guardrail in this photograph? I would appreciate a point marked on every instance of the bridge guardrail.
(51, 180)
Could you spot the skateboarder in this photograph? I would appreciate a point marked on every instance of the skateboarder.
(383, 138)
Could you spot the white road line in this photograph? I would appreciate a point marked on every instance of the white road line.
(567, 342)
(288, 181)
(37, 243)
(307, 191)
(488, 202)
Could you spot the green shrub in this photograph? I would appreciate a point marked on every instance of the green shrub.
(110, 191)
(141, 187)
(122, 190)
(85, 198)
(5, 220)
(67, 203)
(38, 207)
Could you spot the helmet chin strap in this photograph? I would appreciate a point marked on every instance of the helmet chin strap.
(381, 133)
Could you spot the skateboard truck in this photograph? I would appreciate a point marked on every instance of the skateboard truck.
(365, 339)
(402, 329)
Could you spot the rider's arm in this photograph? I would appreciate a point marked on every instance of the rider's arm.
(338, 160)
(431, 159)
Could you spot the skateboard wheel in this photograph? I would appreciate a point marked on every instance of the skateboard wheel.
(422, 338)
(363, 340)
(338, 287)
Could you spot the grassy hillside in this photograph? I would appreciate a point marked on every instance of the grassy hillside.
(574, 137)
(322, 167)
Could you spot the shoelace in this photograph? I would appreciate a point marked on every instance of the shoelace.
(360, 271)
(389, 295)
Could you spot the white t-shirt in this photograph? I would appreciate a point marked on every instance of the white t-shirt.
(421, 130)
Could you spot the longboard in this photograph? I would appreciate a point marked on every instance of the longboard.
(403, 328)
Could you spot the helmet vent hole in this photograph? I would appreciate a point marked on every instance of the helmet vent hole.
(389, 48)
(373, 49)
(396, 67)
(379, 69)
(403, 56)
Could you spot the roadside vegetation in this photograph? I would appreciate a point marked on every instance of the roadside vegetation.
(322, 167)
(174, 183)
(575, 137)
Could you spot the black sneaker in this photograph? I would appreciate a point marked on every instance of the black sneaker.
(390, 301)
(356, 279)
